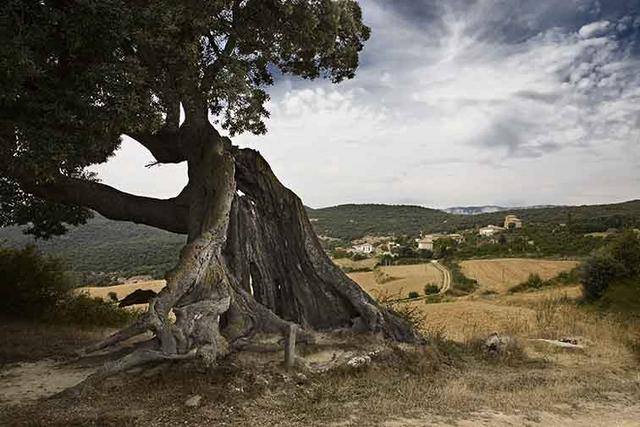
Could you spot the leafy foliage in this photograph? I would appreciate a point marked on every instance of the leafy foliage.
(30, 283)
(534, 281)
(618, 262)
(460, 283)
(75, 77)
(431, 289)
(36, 288)
(102, 251)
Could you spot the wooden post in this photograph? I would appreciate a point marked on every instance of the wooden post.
(290, 347)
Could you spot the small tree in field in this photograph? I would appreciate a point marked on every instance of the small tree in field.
(75, 79)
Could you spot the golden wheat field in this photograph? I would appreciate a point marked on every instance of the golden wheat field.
(398, 280)
(500, 275)
(463, 318)
(123, 290)
(349, 263)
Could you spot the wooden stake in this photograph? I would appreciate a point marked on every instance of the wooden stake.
(290, 347)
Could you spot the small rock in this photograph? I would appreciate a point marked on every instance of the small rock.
(193, 401)
(358, 361)
(496, 344)
(301, 379)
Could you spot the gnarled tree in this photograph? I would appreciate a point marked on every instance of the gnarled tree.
(77, 75)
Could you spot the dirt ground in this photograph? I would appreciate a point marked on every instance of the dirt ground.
(451, 380)
(500, 275)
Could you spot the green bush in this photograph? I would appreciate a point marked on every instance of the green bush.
(85, 310)
(358, 257)
(30, 284)
(413, 295)
(626, 249)
(460, 283)
(620, 260)
(339, 253)
(431, 289)
(533, 282)
(35, 287)
(598, 273)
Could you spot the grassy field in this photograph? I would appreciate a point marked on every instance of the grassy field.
(398, 280)
(500, 275)
(123, 290)
(356, 265)
(462, 318)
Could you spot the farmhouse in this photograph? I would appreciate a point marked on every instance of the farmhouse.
(490, 230)
(426, 243)
(364, 248)
(512, 221)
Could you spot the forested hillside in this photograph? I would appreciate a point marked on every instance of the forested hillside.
(352, 221)
(124, 249)
(104, 246)
(349, 222)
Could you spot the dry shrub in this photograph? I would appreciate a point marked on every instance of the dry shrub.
(409, 312)
(510, 352)
(607, 336)
(382, 277)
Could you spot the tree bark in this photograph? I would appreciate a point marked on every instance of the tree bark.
(252, 264)
(167, 214)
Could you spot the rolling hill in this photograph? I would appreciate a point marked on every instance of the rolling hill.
(348, 222)
(126, 249)
(105, 246)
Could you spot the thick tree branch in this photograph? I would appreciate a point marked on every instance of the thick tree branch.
(165, 147)
(168, 214)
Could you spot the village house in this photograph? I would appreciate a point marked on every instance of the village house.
(490, 230)
(364, 248)
(426, 243)
(512, 221)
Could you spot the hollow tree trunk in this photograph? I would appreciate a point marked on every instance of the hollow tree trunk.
(252, 264)
(276, 259)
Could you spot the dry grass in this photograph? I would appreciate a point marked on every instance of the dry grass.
(122, 290)
(500, 275)
(447, 382)
(443, 383)
(400, 279)
(356, 265)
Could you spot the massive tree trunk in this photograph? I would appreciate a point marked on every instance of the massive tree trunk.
(252, 264)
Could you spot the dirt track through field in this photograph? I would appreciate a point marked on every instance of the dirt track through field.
(446, 277)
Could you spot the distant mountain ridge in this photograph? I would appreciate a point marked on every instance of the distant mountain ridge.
(477, 210)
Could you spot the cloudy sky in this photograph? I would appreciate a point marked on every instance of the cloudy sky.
(457, 102)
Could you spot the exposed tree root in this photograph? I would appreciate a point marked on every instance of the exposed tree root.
(254, 266)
